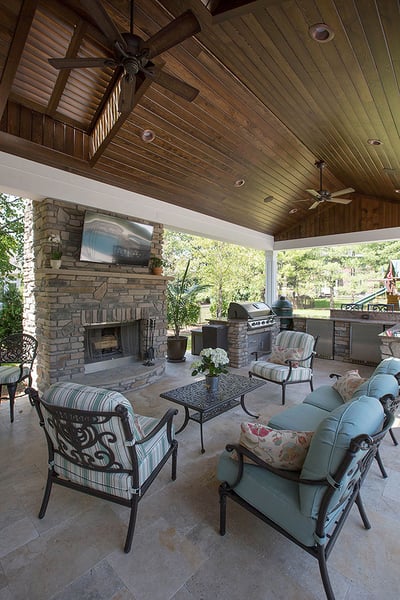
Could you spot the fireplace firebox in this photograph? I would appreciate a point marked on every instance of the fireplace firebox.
(111, 341)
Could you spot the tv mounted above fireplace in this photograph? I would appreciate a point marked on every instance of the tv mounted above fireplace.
(108, 239)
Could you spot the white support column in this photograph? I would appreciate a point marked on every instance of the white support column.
(271, 266)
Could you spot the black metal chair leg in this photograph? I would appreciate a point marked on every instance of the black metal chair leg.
(174, 462)
(362, 512)
(46, 497)
(12, 390)
(380, 463)
(132, 523)
(324, 573)
(222, 513)
(395, 442)
(283, 394)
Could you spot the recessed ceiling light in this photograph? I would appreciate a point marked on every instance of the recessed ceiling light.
(147, 135)
(397, 190)
(239, 182)
(268, 199)
(292, 211)
(374, 142)
(321, 32)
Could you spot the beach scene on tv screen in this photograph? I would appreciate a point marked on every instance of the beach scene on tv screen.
(108, 239)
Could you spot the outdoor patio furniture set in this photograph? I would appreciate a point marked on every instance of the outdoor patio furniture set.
(97, 444)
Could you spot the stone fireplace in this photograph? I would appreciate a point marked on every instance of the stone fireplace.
(90, 318)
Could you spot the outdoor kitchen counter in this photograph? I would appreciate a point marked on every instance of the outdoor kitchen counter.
(349, 336)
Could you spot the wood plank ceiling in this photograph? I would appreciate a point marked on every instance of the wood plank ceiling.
(271, 102)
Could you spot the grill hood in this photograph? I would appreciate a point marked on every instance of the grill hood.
(249, 310)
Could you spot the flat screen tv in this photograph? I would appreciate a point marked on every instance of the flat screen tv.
(107, 239)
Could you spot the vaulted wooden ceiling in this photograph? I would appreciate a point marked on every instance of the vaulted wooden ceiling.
(271, 102)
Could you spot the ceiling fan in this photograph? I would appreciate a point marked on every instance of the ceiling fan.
(133, 55)
(324, 195)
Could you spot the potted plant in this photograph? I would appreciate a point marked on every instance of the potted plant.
(156, 264)
(182, 308)
(212, 362)
(55, 252)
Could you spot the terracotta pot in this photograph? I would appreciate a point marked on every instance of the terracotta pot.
(157, 270)
(176, 348)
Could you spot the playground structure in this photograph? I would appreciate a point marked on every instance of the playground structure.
(392, 275)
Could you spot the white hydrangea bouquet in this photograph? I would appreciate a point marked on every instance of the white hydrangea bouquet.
(213, 362)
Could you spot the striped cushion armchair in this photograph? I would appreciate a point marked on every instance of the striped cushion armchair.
(98, 445)
(290, 362)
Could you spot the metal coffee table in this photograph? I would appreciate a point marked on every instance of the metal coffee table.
(209, 405)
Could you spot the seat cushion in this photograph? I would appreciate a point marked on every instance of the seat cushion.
(12, 374)
(273, 496)
(279, 373)
(330, 442)
(296, 339)
(303, 417)
(325, 397)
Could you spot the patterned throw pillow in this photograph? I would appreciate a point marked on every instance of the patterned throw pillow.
(281, 448)
(280, 355)
(347, 385)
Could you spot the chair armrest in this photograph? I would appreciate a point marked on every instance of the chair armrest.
(332, 375)
(165, 420)
(241, 451)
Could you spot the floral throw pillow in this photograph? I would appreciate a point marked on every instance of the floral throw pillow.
(280, 355)
(347, 384)
(281, 448)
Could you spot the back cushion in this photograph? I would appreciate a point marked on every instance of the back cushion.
(377, 386)
(296, 339)
(84, 397)
(388, 366)
(330, 442)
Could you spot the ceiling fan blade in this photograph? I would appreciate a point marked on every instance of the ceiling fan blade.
(126, 101)
(313, 205)
(340, 200)
(313, 193)
(79, 63)
(103, 21)
(172, 34)
(341, 192)
(173, 84)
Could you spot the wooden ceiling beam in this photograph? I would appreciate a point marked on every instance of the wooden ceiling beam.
(63, 75)
(21, 33)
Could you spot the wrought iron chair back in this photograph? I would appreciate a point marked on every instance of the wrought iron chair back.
(96, 452)
(17, 354)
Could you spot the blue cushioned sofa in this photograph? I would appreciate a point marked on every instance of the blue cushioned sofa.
(382, 384)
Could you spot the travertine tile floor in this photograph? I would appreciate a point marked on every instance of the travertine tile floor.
(75, 552)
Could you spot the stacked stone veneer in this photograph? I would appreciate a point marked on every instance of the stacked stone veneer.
(60, 303)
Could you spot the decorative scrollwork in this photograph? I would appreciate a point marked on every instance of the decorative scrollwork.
(83, 440)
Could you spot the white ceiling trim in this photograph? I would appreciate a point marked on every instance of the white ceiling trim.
(28, 179)
(357, 237)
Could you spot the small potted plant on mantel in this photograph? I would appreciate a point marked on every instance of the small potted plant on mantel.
(156, 265)
(55, 252)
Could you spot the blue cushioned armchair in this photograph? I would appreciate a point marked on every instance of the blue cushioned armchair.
(310, 507)
(98, 445)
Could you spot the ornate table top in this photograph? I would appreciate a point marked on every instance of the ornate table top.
(195, 395)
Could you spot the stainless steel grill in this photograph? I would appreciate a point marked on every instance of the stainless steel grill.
(257, 314)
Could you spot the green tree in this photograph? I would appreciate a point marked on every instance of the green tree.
(11, 314)
(11, 235)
